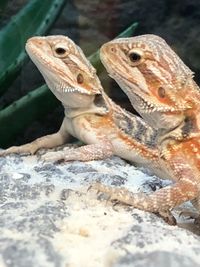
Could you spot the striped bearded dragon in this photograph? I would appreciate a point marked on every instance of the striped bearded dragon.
(90, 115)
(162, 90)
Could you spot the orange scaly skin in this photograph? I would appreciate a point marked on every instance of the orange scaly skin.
(90, 115)
(161, 88)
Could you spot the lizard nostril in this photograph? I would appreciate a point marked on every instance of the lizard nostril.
(112, 49)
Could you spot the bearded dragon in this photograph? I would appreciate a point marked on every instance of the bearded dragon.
(162, 90)
(90, 115)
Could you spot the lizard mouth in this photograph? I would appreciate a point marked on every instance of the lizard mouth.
(63, 88)
(148, 107)
(74, 90)
(135, 89)
(140, 98)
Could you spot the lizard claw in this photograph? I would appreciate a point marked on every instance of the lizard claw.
(24, 149)
(2, 152)
(68, 154)
(111, 192)
(189, 214)
(53, 156)
(10, 150)
(89, 188)
(67, 148)
(167, 216)
(100, 187)
(94, 187)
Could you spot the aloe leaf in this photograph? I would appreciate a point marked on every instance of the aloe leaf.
(15, 118)
(94, 58)
(34, 19)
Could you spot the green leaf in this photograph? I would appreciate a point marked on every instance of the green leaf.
(15, 118)
(34, 19)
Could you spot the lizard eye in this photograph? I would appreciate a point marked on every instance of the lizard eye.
(161, 92)
(80, 78)
(135, 56)
(60, 51)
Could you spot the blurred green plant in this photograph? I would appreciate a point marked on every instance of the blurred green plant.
(3, 4)
(34, 19)
(16, 117)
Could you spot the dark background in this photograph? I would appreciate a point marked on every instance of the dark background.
(91, 23)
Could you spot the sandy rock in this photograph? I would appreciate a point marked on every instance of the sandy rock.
(48, 218)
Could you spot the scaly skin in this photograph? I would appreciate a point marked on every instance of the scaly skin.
(90, 115)
(161, 88)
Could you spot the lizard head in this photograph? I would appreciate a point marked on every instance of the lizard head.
(67, 72)
(153, 77)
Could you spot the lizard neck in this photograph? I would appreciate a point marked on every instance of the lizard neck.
(100, 106)
(187, 129)
(189, 123)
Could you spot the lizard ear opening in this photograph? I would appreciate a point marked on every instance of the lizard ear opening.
(80, 78)
(99, 101)
(161, 92)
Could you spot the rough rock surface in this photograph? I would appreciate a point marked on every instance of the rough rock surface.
(48, 218)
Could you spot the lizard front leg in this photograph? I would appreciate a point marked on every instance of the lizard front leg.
(103, 149)
(163, 200)
(47, 141)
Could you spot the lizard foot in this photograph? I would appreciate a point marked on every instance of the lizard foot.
(133, 199)
(114, 193)
(83, 153)
(191, 215)
(24, 149)
(53, 156)
(197, 221)
(68, 154)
